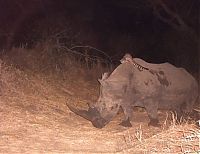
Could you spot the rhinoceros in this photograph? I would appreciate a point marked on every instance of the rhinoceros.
(157, 86)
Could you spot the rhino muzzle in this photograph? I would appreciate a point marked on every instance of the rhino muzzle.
(92, 115)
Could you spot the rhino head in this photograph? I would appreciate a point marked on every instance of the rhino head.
(92, 114)
(106, 107)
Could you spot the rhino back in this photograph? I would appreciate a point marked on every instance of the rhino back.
(161, 80)
(122, 74)
(176, 85)
(173, 78)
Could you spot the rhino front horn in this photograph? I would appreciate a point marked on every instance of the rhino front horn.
(83, 113)
(92, 115)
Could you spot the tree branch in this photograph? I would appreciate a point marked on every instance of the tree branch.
(178, 23)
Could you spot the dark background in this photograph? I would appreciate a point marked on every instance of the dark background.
(155, 30)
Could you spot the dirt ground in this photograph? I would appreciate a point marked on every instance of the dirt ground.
(34, 118)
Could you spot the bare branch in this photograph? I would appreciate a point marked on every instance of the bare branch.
(165, 20)
(90, 47)
(175, 20)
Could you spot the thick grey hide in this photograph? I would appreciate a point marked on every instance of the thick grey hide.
(163, 86)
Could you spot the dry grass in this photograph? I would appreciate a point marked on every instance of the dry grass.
(56, 61)
(35, 119)
(183, 138)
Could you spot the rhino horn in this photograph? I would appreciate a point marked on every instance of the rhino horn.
(92, 115)
(83, 113)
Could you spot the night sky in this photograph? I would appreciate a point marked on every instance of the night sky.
(155, 30)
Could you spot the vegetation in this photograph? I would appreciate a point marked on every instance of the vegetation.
(58, 58)
(35, 86)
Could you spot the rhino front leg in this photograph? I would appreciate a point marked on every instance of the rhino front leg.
(151, 107)
(128, 114)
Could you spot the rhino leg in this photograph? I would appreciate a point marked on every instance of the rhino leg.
(178, 113)
(152, 111)
(126, 123)
(154, 123)
(178, 110)
(128, 114)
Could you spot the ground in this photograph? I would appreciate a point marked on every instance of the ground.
(34, 118)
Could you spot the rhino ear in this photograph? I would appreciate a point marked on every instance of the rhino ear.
(100, 81)
(105, 76)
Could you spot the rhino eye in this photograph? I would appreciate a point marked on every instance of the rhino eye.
(112, 107)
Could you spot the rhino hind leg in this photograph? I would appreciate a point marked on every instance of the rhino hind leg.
(154, 123)
(126, 123)
(152, 111)
(178, 114)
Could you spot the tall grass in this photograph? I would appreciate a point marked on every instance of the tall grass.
(50, 58)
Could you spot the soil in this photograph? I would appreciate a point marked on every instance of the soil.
(34, 118)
